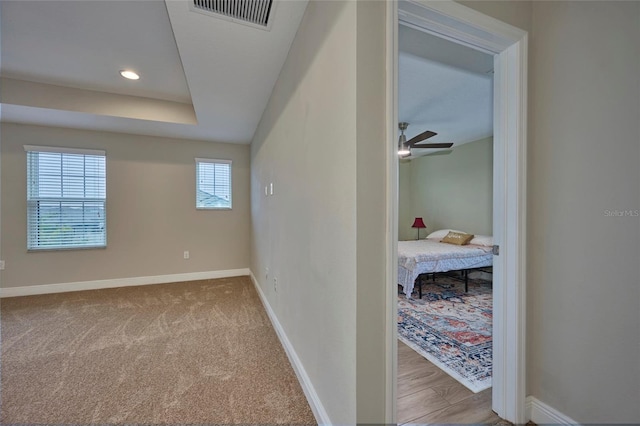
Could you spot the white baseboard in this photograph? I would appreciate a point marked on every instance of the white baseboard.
(119, 282)
(543, 414)
(305, 382)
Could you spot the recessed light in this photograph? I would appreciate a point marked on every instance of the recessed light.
(131, 75)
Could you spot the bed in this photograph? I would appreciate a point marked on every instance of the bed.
(431, 256)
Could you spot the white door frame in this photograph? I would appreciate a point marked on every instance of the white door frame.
(508, 44)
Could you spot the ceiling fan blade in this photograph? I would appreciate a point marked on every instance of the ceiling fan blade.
(433, 145)
(422, 136)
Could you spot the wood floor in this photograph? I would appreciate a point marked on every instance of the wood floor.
(428, 395)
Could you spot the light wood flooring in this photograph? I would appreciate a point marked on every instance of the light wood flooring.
(427, 395)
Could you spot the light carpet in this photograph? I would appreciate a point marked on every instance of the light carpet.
(201, 352)
(451, 328)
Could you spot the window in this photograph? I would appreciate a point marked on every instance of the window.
(213, 184)
(66, 196)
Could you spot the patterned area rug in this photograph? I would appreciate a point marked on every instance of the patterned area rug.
(451, 328)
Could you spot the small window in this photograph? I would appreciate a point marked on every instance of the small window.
(66, 197)
(213, 184)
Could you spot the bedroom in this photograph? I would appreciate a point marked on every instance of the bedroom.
(446, 88)
(62, 95)
(578, 354)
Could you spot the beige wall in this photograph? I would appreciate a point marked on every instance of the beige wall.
(448, 191)
(584, 146)
(371, 213)
(1, 253)
(305, 233)
(151, 215)
(583, 297)
(49, 96)
(513, 12)
(322, 233)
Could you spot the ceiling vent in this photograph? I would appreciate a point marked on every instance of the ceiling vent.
(255, 13)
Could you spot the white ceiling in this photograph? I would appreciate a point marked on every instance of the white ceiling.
(201, 77)
(84, 44)
(444, 87)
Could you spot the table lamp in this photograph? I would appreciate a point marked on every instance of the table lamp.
(418, 223)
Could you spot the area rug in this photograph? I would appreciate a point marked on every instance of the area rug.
(451, 328)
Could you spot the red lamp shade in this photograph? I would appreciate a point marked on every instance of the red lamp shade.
(418, 223)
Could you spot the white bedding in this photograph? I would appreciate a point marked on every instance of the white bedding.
(426, 256)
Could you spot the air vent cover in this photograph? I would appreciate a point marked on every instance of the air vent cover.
(252, 12)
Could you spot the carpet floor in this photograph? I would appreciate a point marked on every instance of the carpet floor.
(451, 328)
(201, 352)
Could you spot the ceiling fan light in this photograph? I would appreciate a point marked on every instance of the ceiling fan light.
(403, 148)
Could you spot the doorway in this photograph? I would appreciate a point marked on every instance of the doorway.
(445, 93)
(509, 46)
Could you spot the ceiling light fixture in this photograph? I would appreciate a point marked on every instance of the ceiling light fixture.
(403, 148)
(130, 75)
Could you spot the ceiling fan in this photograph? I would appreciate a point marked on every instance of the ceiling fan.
(405, 146)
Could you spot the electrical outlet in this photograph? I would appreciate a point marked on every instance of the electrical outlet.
(186, 254)
(1, 265)
(275, 284)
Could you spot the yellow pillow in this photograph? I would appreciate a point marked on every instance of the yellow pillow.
(458, 238)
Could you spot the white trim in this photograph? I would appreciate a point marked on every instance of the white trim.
(119, 282)
(60, 150)
(200, 161)
(322, 418)
(543, 414)
(458, 23)
(391, 323)
(213, 160)
(510, 117)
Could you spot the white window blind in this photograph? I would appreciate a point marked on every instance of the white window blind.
(66, 197)
(213, 184)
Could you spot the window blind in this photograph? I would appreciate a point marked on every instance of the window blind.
(66, 197)
(213, 184)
